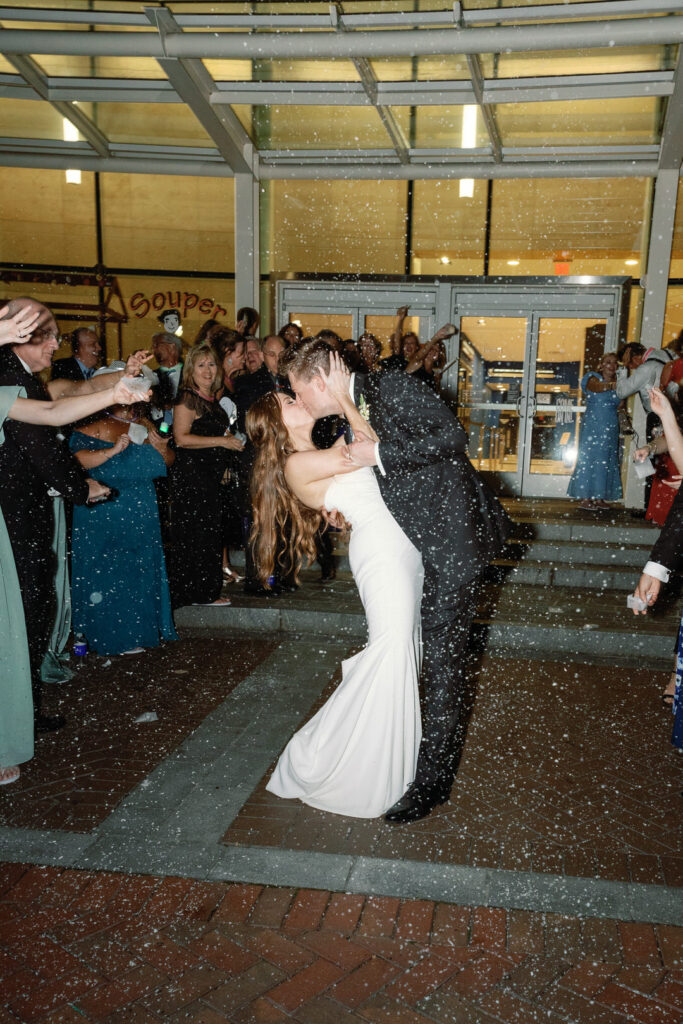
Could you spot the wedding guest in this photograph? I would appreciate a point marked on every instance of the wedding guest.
(370, 349)
(229, 348)
(120, 595)
(291, 334)
(351, 355)
(253, 355)
(81, 365)
(596, 479)
(248, 321)
(430, 359)
(16, 720)
(33, 459)
(201, 429)
(204, 332)
(167, 349)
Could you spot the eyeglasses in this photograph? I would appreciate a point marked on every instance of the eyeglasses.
(45, 334)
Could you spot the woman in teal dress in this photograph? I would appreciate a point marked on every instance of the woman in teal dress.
(119, 590)
(16, 703)
(596, 479)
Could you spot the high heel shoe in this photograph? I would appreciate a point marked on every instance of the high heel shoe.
(231, 576)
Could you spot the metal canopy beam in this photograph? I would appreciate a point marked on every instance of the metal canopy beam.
(487, 112)
(402, 19)
(659, 257)
(566, 35)
(369, 85)
(672, 133)
(33, 76)
(12, 156)
(194, 85)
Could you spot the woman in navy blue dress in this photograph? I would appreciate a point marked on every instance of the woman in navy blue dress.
(596, 479)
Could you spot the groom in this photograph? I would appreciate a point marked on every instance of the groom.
(447, 511)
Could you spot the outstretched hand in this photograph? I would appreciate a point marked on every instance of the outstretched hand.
(447, 331)
(337, 380)
(659, 402)
(123, 395)
(17, 329)
(135, 362)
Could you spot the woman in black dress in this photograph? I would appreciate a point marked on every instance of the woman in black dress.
(204, 447)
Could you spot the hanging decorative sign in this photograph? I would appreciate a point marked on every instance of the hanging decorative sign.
(141, 305)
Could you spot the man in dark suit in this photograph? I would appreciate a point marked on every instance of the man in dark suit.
(266, 378)
(447, 511)
(32, 461)
(81, 365)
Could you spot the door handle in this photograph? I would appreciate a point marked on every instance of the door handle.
(519, 402)
(532, 405)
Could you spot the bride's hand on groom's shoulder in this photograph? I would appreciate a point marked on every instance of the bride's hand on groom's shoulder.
(337, 380)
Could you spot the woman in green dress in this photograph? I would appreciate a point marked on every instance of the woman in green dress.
(16, 721)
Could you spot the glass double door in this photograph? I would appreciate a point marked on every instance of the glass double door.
(519, 395)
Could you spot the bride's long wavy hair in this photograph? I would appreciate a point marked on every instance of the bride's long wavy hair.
(284, 529)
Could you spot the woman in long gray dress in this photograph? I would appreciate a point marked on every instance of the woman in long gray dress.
(16, 720)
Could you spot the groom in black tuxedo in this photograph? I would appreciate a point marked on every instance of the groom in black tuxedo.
(445, 508)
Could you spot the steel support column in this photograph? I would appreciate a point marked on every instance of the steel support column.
(659, 257)
(247, 233)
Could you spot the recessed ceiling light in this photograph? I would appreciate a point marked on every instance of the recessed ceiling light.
(631, 263)
(513, 263)
(444, 259)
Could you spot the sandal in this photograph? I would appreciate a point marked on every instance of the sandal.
(668, 694)
(8, 775)
(231, 576)
(221, 601)
(587, 505)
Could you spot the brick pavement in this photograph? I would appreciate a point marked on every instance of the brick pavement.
(80, 774)
(567, 769)
(77, 946)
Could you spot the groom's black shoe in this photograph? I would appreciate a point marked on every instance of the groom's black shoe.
(417, 802)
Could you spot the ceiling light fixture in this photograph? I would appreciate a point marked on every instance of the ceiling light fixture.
(70, 133)
(631, 263)
(513, 263)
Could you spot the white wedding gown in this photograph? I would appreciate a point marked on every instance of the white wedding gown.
(358, 754)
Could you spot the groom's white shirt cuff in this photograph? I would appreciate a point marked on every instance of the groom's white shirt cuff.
(377, 458)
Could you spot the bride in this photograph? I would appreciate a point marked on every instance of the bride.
(358, 754)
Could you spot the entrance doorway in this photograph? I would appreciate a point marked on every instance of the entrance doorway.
(514, 369)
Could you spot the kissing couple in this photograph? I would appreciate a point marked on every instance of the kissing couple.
(424, 527)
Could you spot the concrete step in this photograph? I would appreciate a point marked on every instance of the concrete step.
(579, 576)
(574, 552)
(513, 619)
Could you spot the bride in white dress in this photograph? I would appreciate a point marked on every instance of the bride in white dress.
(358, 754)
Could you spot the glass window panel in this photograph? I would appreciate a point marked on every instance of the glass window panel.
(158, 124)
(441, 68)
(282, 70)
(168, 221)
(632, 121)
(567, 348)
(617, 60)
(677, 246)
(441, 127)
(145, 297)
(44, 220)
(593, 225)
(99, 67)
(673, 317)
(30, 119)
(294, 127)
(448, 227)
(492, 356)
(312, 323)
(335, 226)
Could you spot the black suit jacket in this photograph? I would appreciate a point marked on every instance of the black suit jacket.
(431, 487)
(252, 386)
(33, 459)
(668, 548)
(67, 369)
